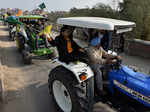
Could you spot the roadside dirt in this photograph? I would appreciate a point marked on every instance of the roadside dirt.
(8, 67)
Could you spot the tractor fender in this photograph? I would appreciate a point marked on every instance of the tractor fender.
(77, 69)
(23, 33)
(13, 29)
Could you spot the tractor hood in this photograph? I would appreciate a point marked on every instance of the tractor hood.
(134, 84)
(137, 80)
(137, 75)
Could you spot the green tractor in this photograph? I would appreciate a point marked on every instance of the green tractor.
(12, 25)
(3, 18)
(29, 42)
(12, 22)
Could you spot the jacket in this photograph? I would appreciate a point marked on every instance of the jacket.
(98, 56)
(61, 44)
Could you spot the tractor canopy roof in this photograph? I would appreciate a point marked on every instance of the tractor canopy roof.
(31, 17)
(119, 26)
(12, 20)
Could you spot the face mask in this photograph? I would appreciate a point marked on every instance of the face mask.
(100, 36)
(97, 40)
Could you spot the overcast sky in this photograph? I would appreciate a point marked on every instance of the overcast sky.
(52, 5)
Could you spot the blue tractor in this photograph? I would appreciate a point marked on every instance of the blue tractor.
(131, 83)
(72, 85)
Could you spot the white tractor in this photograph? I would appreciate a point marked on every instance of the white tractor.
(72, 85)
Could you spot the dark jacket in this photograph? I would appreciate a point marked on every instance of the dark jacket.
(61, 43)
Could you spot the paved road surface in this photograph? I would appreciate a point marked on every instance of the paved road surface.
(26, 86)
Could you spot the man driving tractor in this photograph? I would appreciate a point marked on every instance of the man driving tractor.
(98, 58)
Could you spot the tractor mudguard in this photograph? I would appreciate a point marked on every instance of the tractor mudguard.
(132, 84)
(13, 29)
(78, 69)
(23, 33)
(19, 34)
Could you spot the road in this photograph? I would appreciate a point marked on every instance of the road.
(26, 85)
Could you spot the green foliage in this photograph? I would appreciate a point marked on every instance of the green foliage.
(99, 10)
(139, 12)
(131, 10)
(53, 16)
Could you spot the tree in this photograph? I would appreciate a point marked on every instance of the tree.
(139, 12)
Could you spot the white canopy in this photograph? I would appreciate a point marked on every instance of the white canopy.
(97, 23)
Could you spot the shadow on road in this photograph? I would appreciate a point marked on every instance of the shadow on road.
(11, 57)
(4, 38)
(39, 96)
(4, 28)
(33, 98)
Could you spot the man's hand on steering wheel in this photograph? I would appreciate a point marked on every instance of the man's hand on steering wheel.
(119, 58)
(111, 61)
(114, 60)
(82, 50)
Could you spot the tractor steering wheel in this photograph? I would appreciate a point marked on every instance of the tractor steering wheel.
(117, 65)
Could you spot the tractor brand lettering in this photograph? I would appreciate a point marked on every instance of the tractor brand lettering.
(132, 92)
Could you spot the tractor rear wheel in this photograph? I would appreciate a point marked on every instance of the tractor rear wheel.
(12, 35)
(69, 95)
(26, 57)
(20, 43)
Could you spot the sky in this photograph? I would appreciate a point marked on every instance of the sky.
(52, 5)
